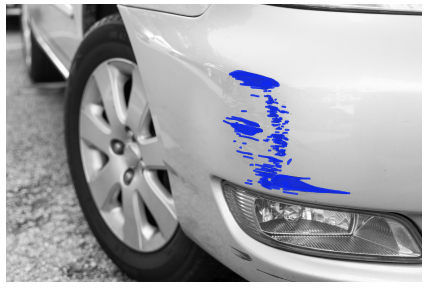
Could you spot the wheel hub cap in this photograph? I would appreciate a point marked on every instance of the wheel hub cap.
(132, 154)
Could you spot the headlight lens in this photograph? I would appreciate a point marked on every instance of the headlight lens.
(366, 8)
(316, 230)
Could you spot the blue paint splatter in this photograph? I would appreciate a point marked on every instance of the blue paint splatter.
(244, 143)
(270, 173)
(244, 128)
(252, 138)
(247, 153)
(254, 81)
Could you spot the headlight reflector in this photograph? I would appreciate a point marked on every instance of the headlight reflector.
(334, 233)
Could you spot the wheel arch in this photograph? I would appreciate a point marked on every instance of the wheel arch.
(91, 13)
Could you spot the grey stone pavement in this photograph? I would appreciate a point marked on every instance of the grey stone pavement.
(47, 237)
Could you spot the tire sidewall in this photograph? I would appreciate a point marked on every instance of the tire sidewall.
(170, 262)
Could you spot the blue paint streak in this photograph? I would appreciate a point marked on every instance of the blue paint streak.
(269, 173)
(252, 138)
(254, 81)
(247, 153)
(243, 127)
(243, 110)
(249, 180)
(244, 143)
(270, 179)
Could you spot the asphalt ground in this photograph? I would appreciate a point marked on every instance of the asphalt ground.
(47, 237)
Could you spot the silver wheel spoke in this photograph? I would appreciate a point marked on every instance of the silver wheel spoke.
(133, 211)
(110, 83)
(105, 182)
(94, 132)
(138, 115)
(151, 153)
(159, 202)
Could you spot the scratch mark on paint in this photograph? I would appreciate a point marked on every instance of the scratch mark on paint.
(241, 254)
(270, 176)
(274, 275)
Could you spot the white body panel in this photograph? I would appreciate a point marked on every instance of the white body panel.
(60, 26)
(352, 85)
(190, 10)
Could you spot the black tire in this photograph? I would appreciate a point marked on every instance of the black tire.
(180, 259)
(40, 67)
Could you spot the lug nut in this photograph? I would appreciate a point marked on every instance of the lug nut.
(117, 147)
(128, 176)
(129, 131)
(131, 134)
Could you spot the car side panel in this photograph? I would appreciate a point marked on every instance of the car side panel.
(60, 26)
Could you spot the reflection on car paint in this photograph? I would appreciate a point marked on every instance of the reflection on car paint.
(270, 172)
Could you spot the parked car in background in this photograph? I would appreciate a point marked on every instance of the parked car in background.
(13, 9)
(283, 141)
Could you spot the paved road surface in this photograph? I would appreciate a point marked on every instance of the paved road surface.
(47, 236)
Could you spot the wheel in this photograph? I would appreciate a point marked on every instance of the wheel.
(116, 166)
(40, 67)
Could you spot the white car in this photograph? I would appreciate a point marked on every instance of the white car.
(284, 141)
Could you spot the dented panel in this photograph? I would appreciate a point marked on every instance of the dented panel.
(351, 86)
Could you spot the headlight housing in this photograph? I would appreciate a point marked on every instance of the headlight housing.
(325, 232)
(406, 9)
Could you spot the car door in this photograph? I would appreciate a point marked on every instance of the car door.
(60, 26)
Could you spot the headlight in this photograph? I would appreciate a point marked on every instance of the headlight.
(414, 9)
(320, 231)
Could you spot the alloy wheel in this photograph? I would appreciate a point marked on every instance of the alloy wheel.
(122, 158)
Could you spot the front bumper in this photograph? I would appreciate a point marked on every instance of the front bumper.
(352, 85)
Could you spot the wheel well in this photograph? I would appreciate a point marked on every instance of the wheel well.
(94, 12)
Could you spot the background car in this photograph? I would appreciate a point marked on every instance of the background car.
(13, 9)
(287, 149)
